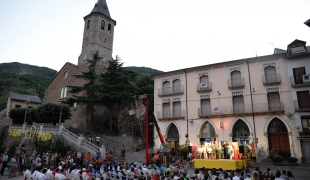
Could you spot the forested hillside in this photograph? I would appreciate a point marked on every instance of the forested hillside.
(29, 79)
(23, 79)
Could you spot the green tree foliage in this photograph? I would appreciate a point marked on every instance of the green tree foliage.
(89, 88)
(23, 79)
(17, 115)
(44, 113)
(116, 86)
(56, 144)
(143, 70)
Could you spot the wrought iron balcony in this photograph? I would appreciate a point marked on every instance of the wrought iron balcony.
(170, 91)
(272, 79)
(259, 108)
(302, 80)
(202, 87)
(235, 83)
(171, 114)
(302, 105)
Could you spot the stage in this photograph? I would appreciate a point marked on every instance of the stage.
(225, 164)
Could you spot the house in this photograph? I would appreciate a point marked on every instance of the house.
(16, 100)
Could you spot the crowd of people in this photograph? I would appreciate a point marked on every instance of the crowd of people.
(83, 166)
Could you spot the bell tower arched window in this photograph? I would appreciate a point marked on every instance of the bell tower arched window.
(88, 24)
(102, 24)
(109, 28)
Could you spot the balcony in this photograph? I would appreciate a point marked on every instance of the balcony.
(300, 81)
(174, 114)
(203, 87)
(302, 105)
(271, 79)
(246, 109)
(235, 83)
(170, 91)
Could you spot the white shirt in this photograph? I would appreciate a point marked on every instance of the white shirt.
(42, 176)
(34, 174)
(27, 174)
(61, 177)
(236, 178)
(278, 178)
(57, 176)
(77, 174)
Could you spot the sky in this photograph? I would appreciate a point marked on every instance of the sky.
(161, 34)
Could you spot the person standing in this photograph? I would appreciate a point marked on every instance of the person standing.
(98, 140)
(123, 151)
(5, 160)
(22, 162)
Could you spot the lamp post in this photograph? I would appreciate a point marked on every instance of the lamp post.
(61, 101)
(26, 109)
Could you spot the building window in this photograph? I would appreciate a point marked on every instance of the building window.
(18, 106)
(303, 99)
(305, 121)
(205, 105)
(177, 112)
(102, 24)
(235, 78)
(274, 103)
(238, 102)
(63, 93)
(299, 75)
(88, 24)
(66, 75)
(166, 88)
(271, 74)
(109, 28)
(166, 110)
(177, 86)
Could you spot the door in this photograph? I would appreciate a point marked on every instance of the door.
(298, 72)
(278, 137)
(305, 150)
(274, 103)
(270, 74)
(303, 99)
(176, 86)
(177, 109)
(236, 79)
(238, 104)
(166, 88)
(205, 107)
(166, 110)
(204, 85)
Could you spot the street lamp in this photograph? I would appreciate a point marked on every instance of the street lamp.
(27, 101)
(61, 101)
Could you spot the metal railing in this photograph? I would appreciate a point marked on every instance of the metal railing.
(171, 114)
(234, 83)
(271, 79)
(301, 105)
(207, 86)
(170, 90)
(241, 109)
(69, 134)
(299, 81)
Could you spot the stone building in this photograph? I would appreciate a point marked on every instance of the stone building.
(98, 36)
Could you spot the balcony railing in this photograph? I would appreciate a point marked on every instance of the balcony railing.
(171, 114)
(272, 79)
(235, 83)
(170, 91)
(207, 86)
(241, 109)
(302, 80)
(302, 105)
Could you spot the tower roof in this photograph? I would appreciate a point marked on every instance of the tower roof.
(101, 7)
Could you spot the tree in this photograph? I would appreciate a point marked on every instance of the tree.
(116, 86)
(86, 94)
(43, 113)
(17, 115)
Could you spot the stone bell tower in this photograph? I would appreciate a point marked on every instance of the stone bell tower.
(98, 34)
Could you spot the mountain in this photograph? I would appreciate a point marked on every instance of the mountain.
(24, 79)
(143, 70)
(29, 79)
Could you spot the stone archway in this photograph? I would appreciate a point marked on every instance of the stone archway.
(278, 137)
(173, 136)
(207, 130)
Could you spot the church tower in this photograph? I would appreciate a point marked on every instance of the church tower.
(98, 34)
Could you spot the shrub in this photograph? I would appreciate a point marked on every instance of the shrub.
(292, 159)
(277, 159)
